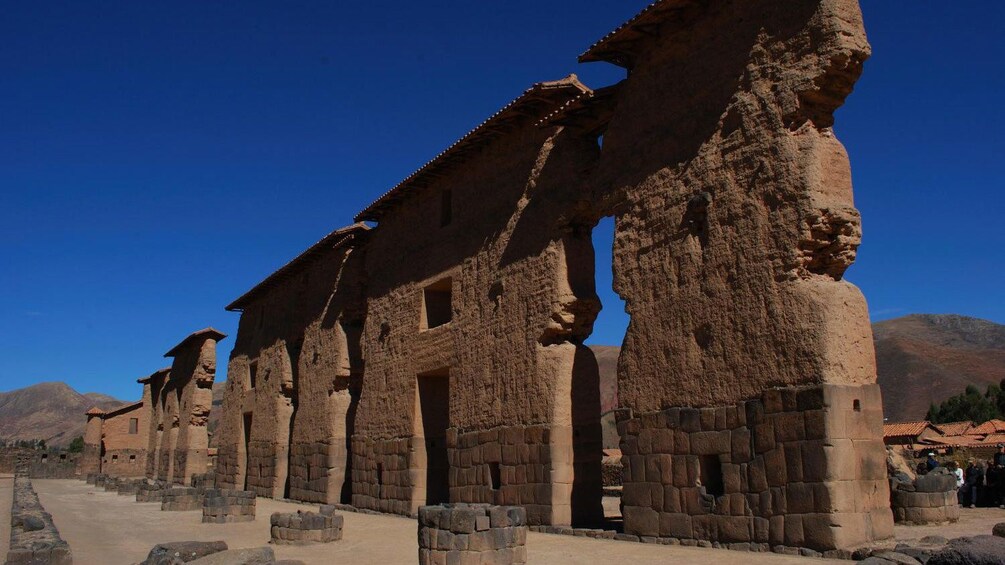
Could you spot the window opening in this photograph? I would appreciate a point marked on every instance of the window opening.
(252, 374)
(436, 304)
(446, 208)
(495, 476)
(134, 426)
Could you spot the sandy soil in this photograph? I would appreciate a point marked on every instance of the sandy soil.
(6, 499)
(104, 528)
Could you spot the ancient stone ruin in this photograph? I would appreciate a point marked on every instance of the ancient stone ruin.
(433, 351)
(472, 533)
(302, 528)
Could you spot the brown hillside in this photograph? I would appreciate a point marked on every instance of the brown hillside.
(50, 411)
(925, 358)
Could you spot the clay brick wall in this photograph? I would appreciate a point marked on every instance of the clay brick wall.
(734, 225)
(300, 335)
(181, 398)
(90, 461)
(520, 267)
(124, 435)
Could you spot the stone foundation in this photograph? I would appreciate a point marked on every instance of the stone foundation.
(205, 480)
(316, 466)
(476, 533)
(111, 484)
(91, 478)
(261, 470)
(509, 466)
(34, 539)
(223, 506)
(130, 486)
(301, 528)
(151, 492)
(929, 499)
(181, 499)
(522, 457)
(799, 467)
(383, 474)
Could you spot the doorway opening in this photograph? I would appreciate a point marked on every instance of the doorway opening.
(247, 450)
(597, 374)
(431, 422)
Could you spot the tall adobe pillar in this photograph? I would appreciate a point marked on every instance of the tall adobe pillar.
(153, 397)
(747, 376)
(90, 460)
(187, 414)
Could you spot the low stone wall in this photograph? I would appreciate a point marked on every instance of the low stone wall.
(151, 492)
(181, 499)
(301, 528)
(99, 479)
(223, 506)
(472, 533)
(929, 499)
(129, 487)
(91, 478)
(111, 484)
(798, 467)
(39, 464)
(205, 480)
(34, 539)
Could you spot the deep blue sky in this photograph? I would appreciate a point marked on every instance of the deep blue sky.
(158, 159)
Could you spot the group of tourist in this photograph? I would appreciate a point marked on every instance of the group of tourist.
(981, 483)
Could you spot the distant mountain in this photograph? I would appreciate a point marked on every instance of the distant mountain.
(926, 358)
(50, 411)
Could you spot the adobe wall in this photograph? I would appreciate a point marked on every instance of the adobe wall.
(182, 398)
(125, 444)
(734, 226)
(153, 387)
(197, 369)
(90, 457)
(522, 293)
(302, 336)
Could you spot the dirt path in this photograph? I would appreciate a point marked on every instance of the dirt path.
(104, 528)
(6, 499)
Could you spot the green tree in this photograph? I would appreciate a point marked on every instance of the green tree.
(971, 405)
(76, 445)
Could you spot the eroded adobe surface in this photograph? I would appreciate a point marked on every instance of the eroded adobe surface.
(749, 410)
(289, 402)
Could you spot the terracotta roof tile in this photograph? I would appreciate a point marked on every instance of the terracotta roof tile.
(953, 428)
(899, 429)
(205, 333)
(537, 101)
(335, 239)
(618, 46)
(989, 427)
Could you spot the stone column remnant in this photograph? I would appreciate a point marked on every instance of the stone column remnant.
(472, 533)
(189, 391)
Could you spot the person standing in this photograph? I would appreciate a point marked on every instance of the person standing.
(931, 462)
(974, 479)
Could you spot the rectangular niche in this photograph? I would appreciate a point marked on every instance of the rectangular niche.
(437, 308)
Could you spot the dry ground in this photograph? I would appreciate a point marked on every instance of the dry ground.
(6, 498)
(107, 529)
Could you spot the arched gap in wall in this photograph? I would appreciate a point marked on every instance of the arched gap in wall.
(605, 342)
